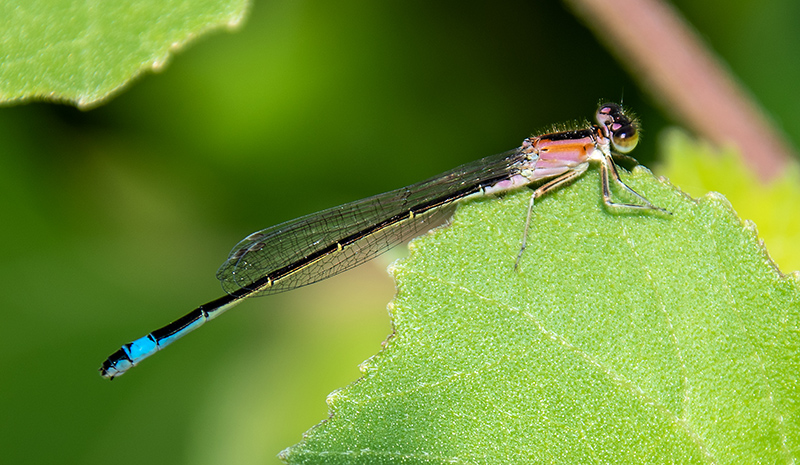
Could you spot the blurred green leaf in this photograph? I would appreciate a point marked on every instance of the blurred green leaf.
(81, 52)
(697, 168)
(622, 338)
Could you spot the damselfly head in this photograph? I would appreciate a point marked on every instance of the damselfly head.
(622, 129)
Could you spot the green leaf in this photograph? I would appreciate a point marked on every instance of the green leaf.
(622, 338)
(83, 51)
(698, 168)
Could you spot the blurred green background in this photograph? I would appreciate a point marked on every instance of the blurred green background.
(115, 220)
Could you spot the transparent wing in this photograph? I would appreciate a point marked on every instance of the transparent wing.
(320, 245)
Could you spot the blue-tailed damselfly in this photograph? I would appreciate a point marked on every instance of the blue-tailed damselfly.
(323, 244)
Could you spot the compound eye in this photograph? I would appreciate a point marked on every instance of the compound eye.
(624, 137)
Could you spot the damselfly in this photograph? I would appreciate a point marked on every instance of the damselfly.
(320, 245)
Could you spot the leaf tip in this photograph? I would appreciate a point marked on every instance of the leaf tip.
(237, 20)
